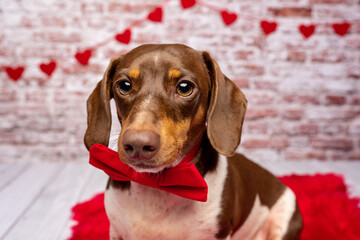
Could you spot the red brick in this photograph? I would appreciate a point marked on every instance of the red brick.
(352, 42)
(331, 1)
(256, 127)
(40, 125)
(260, 98)
(2, 37)
(296, 56)
(291, 12)
(356, 25)
(27, 22)
(255, 41)
(332, 143)
(60, 97)
(52, 51)
(353, 71)
(317, 155)
(330, 13)
(355, 100)
(4, 52)
(242, 83)
(57, 36)
(335, 128)
(305, 129)
(92, 7)
(253, 70)
(258, 113)
(268, 85)
(329, 114)
(8, 95)
(304, 155)
(9, 138)
(75, 68)
(338, 156)
(36, 97)
(335, 100)
(53, 21)
(302, 99)
(273, 142)
(244, 55)
(256, 143)
(130, 7)
(279, 142)
(294, 155)
(23, 111)
(117, 7)
(292, 114)
(328, 56)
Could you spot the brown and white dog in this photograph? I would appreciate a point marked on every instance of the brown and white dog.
(168, 98)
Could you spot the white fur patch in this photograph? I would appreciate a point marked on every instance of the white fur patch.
(143, 213)
(255, 220)
(264, 223)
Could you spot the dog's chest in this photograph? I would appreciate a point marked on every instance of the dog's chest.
(145, 213)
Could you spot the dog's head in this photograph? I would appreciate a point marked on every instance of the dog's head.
(166, 97)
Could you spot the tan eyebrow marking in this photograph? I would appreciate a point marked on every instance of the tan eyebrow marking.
(174, 73)
(134, 73)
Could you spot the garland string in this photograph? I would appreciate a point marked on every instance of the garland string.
(156, 15)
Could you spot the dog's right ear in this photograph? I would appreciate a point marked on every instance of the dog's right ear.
(226, 111)
(98, 109)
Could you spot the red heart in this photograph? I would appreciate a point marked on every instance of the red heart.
(268, 27)
(83, 57)
(156, 15)
(48, 68)
(307, 30)
(341, 28)
(124, 37)
(14, 72)
(187, 3)
(228, 17)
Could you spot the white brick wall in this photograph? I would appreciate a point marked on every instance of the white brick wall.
(304, 95)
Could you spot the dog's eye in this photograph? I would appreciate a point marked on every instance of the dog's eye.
(185, 89)
(124, 87)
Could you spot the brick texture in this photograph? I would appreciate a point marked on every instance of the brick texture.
(303, 94)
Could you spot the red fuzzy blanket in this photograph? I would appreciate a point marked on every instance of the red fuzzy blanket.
(327, 210)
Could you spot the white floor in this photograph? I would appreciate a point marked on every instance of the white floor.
(36, 198)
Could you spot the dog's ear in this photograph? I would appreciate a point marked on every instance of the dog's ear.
(226, 111)
(98, 109)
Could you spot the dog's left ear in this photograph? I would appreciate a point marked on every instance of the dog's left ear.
(226, 111)
(98, 109)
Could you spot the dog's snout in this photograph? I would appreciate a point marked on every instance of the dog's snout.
(140, 144)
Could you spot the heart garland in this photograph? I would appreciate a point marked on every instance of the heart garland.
(228, 17)
(187, 3)
(124, 37)
(83, 57)
(307, 30)
(48, 68)
(341, 29)
(268, 27)
(14, 73)
(156, 15)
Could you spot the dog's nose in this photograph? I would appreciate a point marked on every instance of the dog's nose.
(140, 144)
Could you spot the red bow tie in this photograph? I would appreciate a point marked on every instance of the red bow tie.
(183, 180)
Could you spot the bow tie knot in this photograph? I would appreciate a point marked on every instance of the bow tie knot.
(183, 180)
